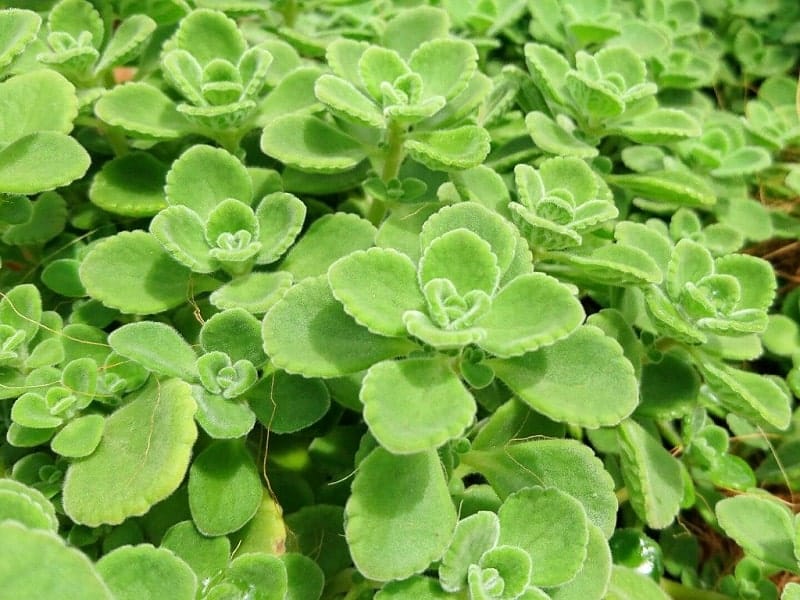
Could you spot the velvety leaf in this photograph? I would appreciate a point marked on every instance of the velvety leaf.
(344, 99)
(224, 488)
(141, 459)
(743, 161)
(472, 537)
(38, 565)
(376, 287)
(38, 101)
(131, 185)
(181, 232)
(235, 332)
(664, 313)
(21, 309)
(526, 521)
(652, 476)
(310, 144)
(143, 110)
(627, 584)
(146, 573)
(445, 65)
(157, 347)
(669, 388)
(265, 532)
(554, 139)
(294, 93)
(18, 507)
(280, 218)
(583, 379)
(44, 507)
(263, 576)
(223, 176)
(648, 239)
(410, 28)
(567, 465)
(689, 262)
(756, 276)
(510, 565)
(221, 418)
(206, 556)
(549, 69)
(660, 126)
(464, 259)
(762, 527)
(208, 34)
(80, 437)
(686, 190)
(306, 580)
(48, 218)
(417, 587)
(287, 403)
(401, 229)
(450, 149)
(317, 530)
(593, 578)
(131, 272)
(127, 42)
(513, 329)
(307, 332)
(255, 292)
(399, 517)
(328, 239)
(41, 161)
(19, 28)
(416, 404)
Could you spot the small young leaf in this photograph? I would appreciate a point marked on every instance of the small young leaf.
(147, 573)
(181, 232)
(472, 537)
(464, 147)
(80, 437)
(344, 99)
(221, 418)
(554, 139)
(255, 292)
(157, 347)
(19, 28)
(399, 517)
(127, 42)
(445, 65)
(280, 218)
(235, 332)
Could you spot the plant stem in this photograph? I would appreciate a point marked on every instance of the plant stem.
(678, 591)
(395, 137)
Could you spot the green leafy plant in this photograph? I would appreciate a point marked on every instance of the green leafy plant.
(481, 300)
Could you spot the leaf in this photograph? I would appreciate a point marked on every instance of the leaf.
(408, 29)
(261, 576)
(38, 565)
(462, 258)
(62, 277)
(142, 110)
(306, 580)
(235, 332)
(221, 418)
(565, 464)
(512, 328)
(21, 309)
(203, 176)
(36, 102)
(224, 488)
(554, 139)
(399, 517)
(583, 379)
(652, 476)
(206, 556)
(146, 573)
(208, 34)
(445, 66)
(743, 161)
(376, 287)
(157, 347)
(344, 99)
(287, 403)
(19, 28)
(627, 584)
(593, 578)
(510, 565)
(473, 536)
(310, 144)
(659, 126)
(44, 507)
(47, 220)
(20, 508)
(79, 437)
(294, 94)
(181, 232)
(255, 292)
(131, 272)
(41, 161)
(317, 530)
(418, 587)
(669, 388)
(663, 186)
(416, 404)
(131, 185)
(280, 218)
(464, 147)
(526, 521)
(127, 42)
(141, 459)
(328, 239)
(307, 332)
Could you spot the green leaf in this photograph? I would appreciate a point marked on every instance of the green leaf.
(418, 587)
(36, 102)
(208, 34)
(41, 161)
(583, 379)
(235, 332)
(554, 139)
(131, 272)
(509, 565)
(255, 292)
(344, 99)
(318, 531)
(464, 147)
(206, 556)
(310, 144)
(46, 221)
(181, 232)
(462, 258)
(32, 410)
(659, 126)
(399, 517)
(328, 239)
(223, 176)
(568, 465)
(157, 347)
(131, 185)
(306, 580)
(512, 328)
(593, 578)
(21, 309)
(627, 584)
(669, 388)
(280, 218)
(19, 28)
(762, 527)
(44, 507)
(142, 110)
(146, 573)
(473, 536)
(19, 507)
(294, 94)
(221, 418)
(526, 521)
(376, 287)
(663, 186)
(743, 161)
(415, 405)
(262, 576)
(410, 28)
(445, 66)
(141, 459)
(224, 488)
(38, 565)
(287, 403)
(127, 42)
(79, 437)
(652, 476)
(307, 332)
(62, 277)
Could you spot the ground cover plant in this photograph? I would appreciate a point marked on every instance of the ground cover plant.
(470, 299)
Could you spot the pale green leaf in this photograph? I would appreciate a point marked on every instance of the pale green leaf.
(235, 332)
(593, 578)
(127, 42)
(445, 65)
(280, 218)
(44, 506)
(134, 466)
(157, 347)
(142, 110)
(554, 139)
(147, 573)
(344, 99)
(21, 309)
(18, 28)
(410, 28)
(399, 517)
(131, 185)
(464, 147)
(38, 101)
(206, 556)
(659, 126)
(19, 507)
(627, 584)
(259, 576)
(208, 35)
(47, 219)
(286, 403)
(181, 232)
(255, 292)
(417, 587)
(464, 259)
(221, 418)
(685, 189)
(41, 161)
(80, 437)
(472, 537)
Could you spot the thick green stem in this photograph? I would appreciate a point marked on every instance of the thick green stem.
(395, 137)
(678, 591)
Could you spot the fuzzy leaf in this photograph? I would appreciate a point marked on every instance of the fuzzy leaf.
(344, 99)
(660, 126)
(762, 527)
(45, 509)
(127, 42)
(593, 578)
(131, 272)
(526, 521)
(19, 507)
(627, 584)
(21, 309)
(310, 144)
(224, 488)
(131, 185)
(280, 218)
(203, 176)
(34, 102)
(79, 437)
(415, 405)
(146, 573)
(307, 332)
(376, 287)
(513, 327)
(410, 28)
(255, 292)
(142, 110)
(464, 147)
(134, 466)
(206, 556)
(399, 517)
(208, 34)
(445, 65)
(582, 379)
(652, 476)
(181, 232)
(157, 347)
(664, 186)
(262, 576)
(287, 403)
(221, 418)
(235, 332)
(19, 28)
(473, 536)
(294, 94)
(743, 161)
(554, 139)
(462, 258)
(47, 219)
(509, 565)
(41, 161)
(38, 565)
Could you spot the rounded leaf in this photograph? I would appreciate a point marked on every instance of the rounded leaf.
(45, 507)
(455, 149)
(235, 332)
(445, 66)
(287, 403)
(206, 556)
(147, 573)
(38, 101)
(463, 258)
(131, 185)
(143, 110)
(79, 437)
(472, 537)
(256, 292)
(593, 578)
(41, 161)
(157, 347)
(221, 418)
